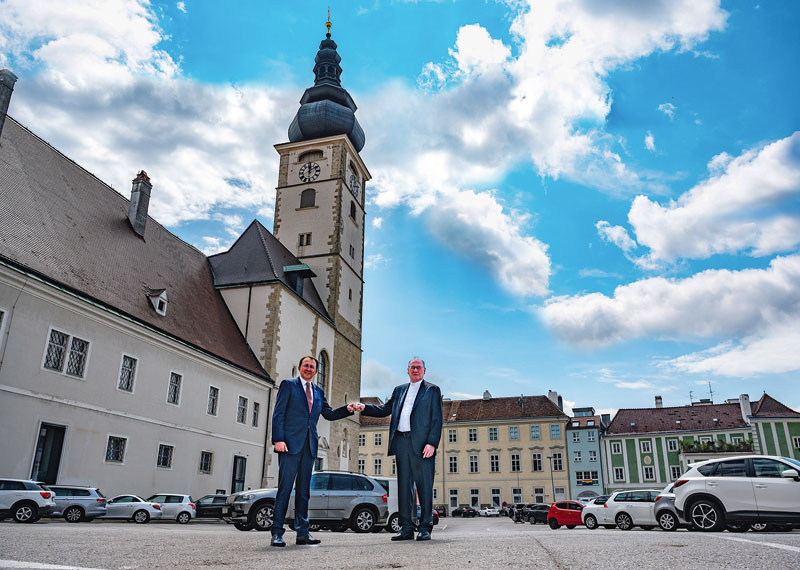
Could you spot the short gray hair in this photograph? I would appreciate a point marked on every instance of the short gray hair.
(417, 358)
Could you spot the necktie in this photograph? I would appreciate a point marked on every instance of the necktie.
(309, 397)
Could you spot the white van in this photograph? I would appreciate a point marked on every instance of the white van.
(393, 522)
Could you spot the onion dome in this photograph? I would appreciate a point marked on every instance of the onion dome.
(326, 109)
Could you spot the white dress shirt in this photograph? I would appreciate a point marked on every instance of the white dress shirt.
(405, 414)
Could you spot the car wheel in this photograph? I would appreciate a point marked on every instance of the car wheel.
(624, 521)
(184, 518)
(141, 517)
(667, 521)
(243, 526)
(570, 526)
(26, 512)
(737, 526)
(758, 527)
(73, 514)
(590, 522)
(261, 517)
(553, 524)
(362, 520)
(532, 519)
(394, 523)
(706, 516)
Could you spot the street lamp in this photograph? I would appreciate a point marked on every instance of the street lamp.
(552, 481)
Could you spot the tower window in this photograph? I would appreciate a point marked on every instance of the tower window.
(352, 252)
(305, 239)
(352, 210)
(350, 294)
(310, 156)
(308, 198)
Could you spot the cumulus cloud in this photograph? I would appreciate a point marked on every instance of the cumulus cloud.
(668, 109)
(379, 380)
(181, 6)
(616, 235)
(650, 142)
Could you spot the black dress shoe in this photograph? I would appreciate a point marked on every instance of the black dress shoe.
(402, 536)
(424, 534)
(305, 540)
(277, 541)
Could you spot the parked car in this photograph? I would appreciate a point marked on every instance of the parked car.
(567, 513)
(434, 516)
(664, 510)
(739, 490)
(210, 506)
(76, 503)
(536, 513)
(592, 514)
(441, 510)
(465, 511)
(389, 484)
(628, 509)
(24, 500)
(338, 500)
(489, 512)
(132, 507)
(177, 507)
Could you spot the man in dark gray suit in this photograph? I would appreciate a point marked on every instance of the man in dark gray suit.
(414, 433)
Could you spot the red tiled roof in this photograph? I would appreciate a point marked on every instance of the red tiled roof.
(691, 418)
(769, 407)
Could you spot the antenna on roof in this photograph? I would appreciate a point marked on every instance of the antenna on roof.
(521, 402)
(710, 392)
(690, 397)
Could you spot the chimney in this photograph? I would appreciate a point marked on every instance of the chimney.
(140, 201)
(744, 404)
(7, 81)
(605, 419)
(659, 402)
(487, 395)
(552, 396)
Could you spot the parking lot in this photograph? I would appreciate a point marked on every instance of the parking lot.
(457, 543)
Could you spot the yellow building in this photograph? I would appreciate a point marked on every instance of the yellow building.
(492, 451)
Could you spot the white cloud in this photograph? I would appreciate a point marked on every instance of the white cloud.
(181, 6)
(379, 380)
(650, 142)
(375, 260)
(476, 51)
(377, 222)
(616, 235)
(668, 109)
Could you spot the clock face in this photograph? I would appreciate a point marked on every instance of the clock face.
(309, 172)
(354, 184)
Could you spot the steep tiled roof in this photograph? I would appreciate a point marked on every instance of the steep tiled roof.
(60, 222)
(769, 407)
(649, 420)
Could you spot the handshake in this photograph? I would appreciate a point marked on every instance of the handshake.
(355, 407)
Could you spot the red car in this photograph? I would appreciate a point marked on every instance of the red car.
(567, 513)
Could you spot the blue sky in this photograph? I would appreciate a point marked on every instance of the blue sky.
(598, 198)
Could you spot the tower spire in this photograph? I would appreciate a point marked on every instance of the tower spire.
(328, 23)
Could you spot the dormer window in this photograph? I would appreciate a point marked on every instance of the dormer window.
(158, 298)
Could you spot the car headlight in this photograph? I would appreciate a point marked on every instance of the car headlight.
(246, 498)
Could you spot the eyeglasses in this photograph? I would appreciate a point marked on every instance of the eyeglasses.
(415, 368)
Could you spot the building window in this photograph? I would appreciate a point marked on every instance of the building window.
(589, 423)
(494, 463)
(576, 423)
(353, 210)
(475, 498)
(394, 466)
(675, 472)
(453, 464)
(576, 455)
(796, 441)
(377, 439)
(495, 497)
(576, 437)
(304, 239)
(645, 446)
(616, 447)
(555, 431)
(352, 252)
(536, 460)
(538, 494)
(590, 435)
(672, 445)
(515, 463)
(377, 466)
(452, 436)
(513, 433)
(164, 456)
(127, 373)
(206, 461)
(706, 439)
(492, 434)
(536, 432)
(362, 440)
(472, 435)
(57, 354)
(516, 493)
(587, 478)
(619, 474)
(558, 462)
(115, 449)
(361, 466)
(649, 473)
(473, 463)
(241, 410)
(213, 400)
(592, 455)
(174, 390)
(308, 198)
(256, 411)
(322, 370)
(453, 498)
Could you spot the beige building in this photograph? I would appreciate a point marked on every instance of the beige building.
(492, 451)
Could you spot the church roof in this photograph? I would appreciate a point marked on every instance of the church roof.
(257, 257)
(62, 223)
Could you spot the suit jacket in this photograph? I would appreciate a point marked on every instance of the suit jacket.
(426, 415)
(292, 423)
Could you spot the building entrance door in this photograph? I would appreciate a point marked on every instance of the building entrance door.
(47, 458)
(239, 470)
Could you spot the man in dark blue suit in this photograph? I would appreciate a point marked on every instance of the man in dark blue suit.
(294, 434)
(414, 434)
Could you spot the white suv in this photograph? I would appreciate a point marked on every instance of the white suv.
(626, 509)
(25, 500)
(737, 491)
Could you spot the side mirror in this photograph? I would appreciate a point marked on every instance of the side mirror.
(791, 474)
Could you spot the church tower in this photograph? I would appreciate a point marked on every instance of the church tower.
(319, 216)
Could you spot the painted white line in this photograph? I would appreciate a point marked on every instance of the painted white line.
(770, 544)
(39, 566)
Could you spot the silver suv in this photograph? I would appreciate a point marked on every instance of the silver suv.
(338, 500)
(25, 500)
(177, 507)
(77, 504)
(738, 491)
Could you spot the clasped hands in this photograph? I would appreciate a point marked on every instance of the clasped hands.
(355, 407)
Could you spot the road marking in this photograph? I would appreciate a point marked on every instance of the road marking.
(39, 566)
(772, 544)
